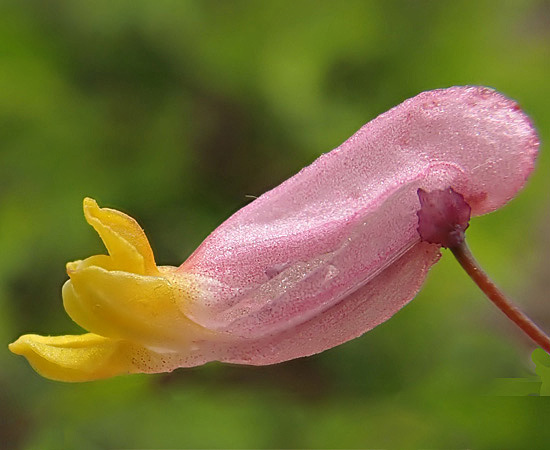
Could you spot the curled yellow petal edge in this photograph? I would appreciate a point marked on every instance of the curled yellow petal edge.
(133, 309)
(128, 247)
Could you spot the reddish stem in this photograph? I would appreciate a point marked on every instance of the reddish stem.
(467, 261)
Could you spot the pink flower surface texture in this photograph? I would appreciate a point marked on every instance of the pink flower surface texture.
(330, 253)
(334, 251)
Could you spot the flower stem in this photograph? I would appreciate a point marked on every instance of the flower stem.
(471, 266)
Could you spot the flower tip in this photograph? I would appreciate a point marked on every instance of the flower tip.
(89, 205)
(17, 347)
(74, 358)
(124, 239)
(89, 201)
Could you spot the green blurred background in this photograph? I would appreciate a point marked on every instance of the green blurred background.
(175, 111)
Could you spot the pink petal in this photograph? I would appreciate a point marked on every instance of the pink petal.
(356, 314)
(334, 250)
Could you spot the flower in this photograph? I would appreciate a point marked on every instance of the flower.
(326, 256)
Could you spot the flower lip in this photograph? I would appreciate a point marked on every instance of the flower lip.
(124, 295)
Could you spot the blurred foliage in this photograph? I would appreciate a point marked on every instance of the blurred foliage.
(174, 111)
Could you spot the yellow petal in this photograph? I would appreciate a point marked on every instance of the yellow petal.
(122, 305)
(124, 238)
(132, 308)
(75, 358)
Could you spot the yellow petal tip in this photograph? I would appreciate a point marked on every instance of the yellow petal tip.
(124, 238)
(74, 358)
(89, 202)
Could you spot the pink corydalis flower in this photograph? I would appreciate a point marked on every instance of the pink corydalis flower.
(326, 256)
